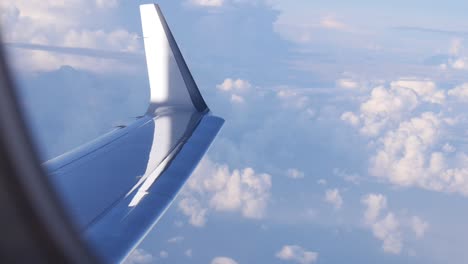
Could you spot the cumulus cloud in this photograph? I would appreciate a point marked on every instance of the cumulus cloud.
(242, 191)
(295, 173)
(332, 196)
(386, 226)
(237, 85)
(139, 256)
(410, 122)
(223, 260)
(297, 254)
(386, 106)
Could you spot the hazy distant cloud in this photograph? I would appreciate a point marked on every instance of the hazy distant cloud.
(223, 260)
(332, 196)
(192, 208)
(460, 92)
(419, 226)
(107, 3)
(331, 22)
(163, 254)
(350, 118)
(386, 226)
(297, 254)
(176, 239)
(51, 23)
(207, 3)
(347, 84)
(188, 252)
(139, 256)
(295, 173)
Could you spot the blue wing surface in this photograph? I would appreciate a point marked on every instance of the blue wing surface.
(118, 186)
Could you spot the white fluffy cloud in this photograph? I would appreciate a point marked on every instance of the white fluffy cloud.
(332, 196)
(387, 106)
(242, 191)
(386, 226)
(139, 256)
(223, 260)
(237, 85)
(297, 254)
(411, 146)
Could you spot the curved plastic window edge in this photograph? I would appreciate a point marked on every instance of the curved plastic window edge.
(34, 226)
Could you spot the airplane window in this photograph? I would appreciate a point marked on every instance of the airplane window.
(229, 131)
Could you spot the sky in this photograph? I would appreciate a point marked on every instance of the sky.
(345, 134)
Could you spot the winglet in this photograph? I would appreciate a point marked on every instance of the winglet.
(171, 82)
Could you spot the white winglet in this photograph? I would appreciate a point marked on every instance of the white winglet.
(171, 82)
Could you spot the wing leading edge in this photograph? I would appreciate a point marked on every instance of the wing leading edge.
(117, 187)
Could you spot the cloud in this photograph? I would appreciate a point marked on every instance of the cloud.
(348, 84)
(411, 125)
(223, 190)
(188, 252)
(176, 239)
(297, 254)
(386, 226)
(460, 92)
(163, 254)
(295, 173)
(419, 226)
(455, 46)
(331, 22)
(107, 3)
(52, 23)
(139, 256)
(387, 106)
(332, 196)
(237, 85)
(237, 99)
(237, 88)
(191, 207)
(207, 3)
(223, 260)
(350, 118)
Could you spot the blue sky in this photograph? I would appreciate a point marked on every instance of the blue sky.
(345, 134)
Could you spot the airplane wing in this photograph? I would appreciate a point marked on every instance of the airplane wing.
(118, 186)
